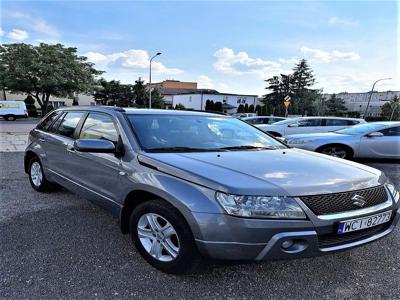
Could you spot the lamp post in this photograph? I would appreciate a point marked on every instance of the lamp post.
(151, 59)
(370, 95)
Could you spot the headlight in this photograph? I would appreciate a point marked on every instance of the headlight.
(260, 206)
(393, 190)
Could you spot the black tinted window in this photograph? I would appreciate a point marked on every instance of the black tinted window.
(310, 123)
(337, 122)
(393, 131)
(45, 124)
(99, 126)
(69, 123)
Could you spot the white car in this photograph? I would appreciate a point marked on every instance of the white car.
(244, 115)
(309, 125)
(262, 120)
(12, 110)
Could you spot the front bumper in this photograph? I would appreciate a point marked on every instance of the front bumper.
(232, 238)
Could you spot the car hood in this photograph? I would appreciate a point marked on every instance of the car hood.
(288, 172)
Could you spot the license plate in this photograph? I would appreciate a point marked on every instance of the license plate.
(363, 223)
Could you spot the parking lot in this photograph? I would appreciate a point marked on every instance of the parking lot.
(61, 246)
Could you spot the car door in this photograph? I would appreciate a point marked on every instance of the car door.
(385, 146)
(99, 173)
(305, 126)
(57, 140)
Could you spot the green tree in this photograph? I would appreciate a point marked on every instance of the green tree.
(280, 87)
(240, 108)
(391, 110)
(45, 70)
(140, 93)
(30, 106)
(246, 108)
(302, 80)
(251, 108)
(156, 99)
(335, 106)
(218, 106)
(258, 109)
(210, 106)
(180, 106)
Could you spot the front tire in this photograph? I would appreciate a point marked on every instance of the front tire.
(163, 238)
(37, 178)
(10, 118)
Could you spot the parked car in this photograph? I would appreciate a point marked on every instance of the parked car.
(262, 120)
(371, 140)
(243, 115)
(12, 110)
(188, 185)
(309, 125)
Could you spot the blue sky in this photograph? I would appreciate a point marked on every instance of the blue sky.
(231, 46)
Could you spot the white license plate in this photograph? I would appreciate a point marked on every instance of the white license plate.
(363, 223)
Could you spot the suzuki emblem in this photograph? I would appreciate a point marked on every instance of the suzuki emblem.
(358, 200)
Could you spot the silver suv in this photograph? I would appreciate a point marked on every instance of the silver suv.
(188, 185)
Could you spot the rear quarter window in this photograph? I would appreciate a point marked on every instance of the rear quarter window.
(46, 123)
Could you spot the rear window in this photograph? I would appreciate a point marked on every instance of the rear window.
(46, 123)
(338, 122)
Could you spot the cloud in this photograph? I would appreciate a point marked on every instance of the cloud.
(240, 63)
(34, 23)
(205, 82)
(18, 35)
(342, 22)
(318, 56)
(1, 32)
(131, 59)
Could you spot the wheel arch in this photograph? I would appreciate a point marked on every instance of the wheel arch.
(347, 147)
(28, 156)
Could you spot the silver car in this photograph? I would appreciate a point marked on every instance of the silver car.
(189, 185)
(258, 120)
(371, 140)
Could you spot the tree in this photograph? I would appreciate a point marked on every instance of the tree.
(30, 106)
(391, 110)
(180, 106)
(240, 108)
(251, 108)
(218, 106)
(156, 99)
(302, 80)
(258, 109)
(280, 87)
(246, 108)
(210, 106)
(75, 101)
(335, 106)
(45, 70)
(141, 94)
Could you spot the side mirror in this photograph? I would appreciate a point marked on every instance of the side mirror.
(94, 146)
(294, 125)
(374, 134)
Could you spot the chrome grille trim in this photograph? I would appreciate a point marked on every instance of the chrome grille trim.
(333, 206)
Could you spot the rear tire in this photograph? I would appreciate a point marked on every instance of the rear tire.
(37, 178)
(10, 118)
(163, 238)
(336, 151)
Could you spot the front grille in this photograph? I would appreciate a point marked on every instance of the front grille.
(342, 202)
(334, 239)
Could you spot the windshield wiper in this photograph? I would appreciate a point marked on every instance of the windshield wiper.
(178, 149)
(248, 147)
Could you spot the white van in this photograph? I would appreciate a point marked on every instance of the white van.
(12, 110)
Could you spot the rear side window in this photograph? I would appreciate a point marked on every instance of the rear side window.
(46, 123)
(69, 123)
(99, 126)
(310, 123)
(393, 131)
(337, 122)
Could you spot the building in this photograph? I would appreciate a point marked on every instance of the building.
(357, 102)
(197, 100)
(175, 84)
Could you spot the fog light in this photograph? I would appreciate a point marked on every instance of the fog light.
(287, 244)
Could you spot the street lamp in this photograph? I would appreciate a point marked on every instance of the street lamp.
(151, 59)
(370, 95)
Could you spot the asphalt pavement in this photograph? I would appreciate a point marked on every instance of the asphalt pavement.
(59, 245)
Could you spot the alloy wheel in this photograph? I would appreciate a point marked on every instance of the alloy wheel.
(158, 237)
(335, 152)
(36, 174)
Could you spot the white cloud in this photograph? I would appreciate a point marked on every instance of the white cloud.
(18, 35)
(342, 22)
(205, 82)
(34, 23)
(131, 59)
(2, 32)
(317, 55)
(240, 63)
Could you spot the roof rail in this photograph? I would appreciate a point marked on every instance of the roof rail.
(116, 108)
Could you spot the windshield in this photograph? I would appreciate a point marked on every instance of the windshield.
(198, 133)
(361, 129)
(286, 121)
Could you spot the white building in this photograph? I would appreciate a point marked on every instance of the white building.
(357, 102)
(197, 100)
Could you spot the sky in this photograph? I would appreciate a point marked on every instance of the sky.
(230, 46)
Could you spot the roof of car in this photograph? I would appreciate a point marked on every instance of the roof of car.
(140, 111)
(387, 123)
(263, 117)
